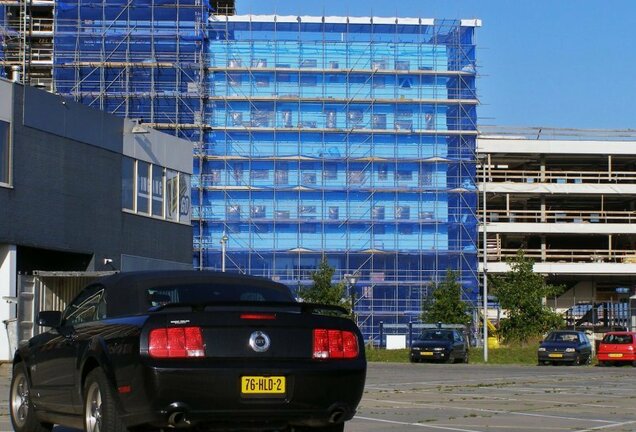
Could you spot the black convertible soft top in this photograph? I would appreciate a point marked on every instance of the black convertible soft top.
(126, 293)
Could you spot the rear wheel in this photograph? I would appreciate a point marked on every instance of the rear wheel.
(100, 411)
(577, 360)
(23, 416)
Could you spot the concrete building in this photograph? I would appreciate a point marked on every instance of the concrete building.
(568, 199)
(82, 190)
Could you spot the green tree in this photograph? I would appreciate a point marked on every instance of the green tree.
(446, 304)
(521, 293)
(323, 291)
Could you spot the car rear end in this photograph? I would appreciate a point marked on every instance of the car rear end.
(241, 366)
(617, 347)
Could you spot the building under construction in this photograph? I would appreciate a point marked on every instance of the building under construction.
(351, 138)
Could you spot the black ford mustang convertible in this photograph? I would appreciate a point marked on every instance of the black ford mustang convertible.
(197, 350)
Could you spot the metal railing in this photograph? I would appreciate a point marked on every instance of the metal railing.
(567, 255)
(559, 216)
(558, 177)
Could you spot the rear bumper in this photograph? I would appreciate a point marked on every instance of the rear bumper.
(609, 357)
(317, 394)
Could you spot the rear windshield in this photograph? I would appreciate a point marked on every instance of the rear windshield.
(205, 294)
(617, 339)
(562, 337)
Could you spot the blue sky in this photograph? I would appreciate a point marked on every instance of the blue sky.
(549, 63)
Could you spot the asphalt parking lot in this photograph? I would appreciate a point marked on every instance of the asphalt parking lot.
(471, 398)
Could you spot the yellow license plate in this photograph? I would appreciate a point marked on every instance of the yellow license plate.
(555, 355)
(426, 353)
(615, 355)
(262, 385)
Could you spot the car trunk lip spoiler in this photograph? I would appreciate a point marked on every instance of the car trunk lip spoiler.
(242, 306)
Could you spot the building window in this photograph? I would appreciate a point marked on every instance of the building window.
(308, 178)
(128, 184)
(281, 175)
(157, 191)
(379, 81)
(330, 171)
(257, 174)
(5, 153)
(309, 63)
(334, 212)
(172, 195)
(262, 81)
(184, 198)
(237, 118)
(403, 212)
(257, 212)
(383, 172)
(377, 213)
(378, 121)
(143, 187)
(355, 117)
(308, 228)
(234, 79)
(402, 65)
(308, 81)
(259, 63)
(405, 175)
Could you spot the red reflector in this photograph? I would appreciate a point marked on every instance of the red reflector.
(124, 389)
(335, 344)
(256, 316)
(176, 342)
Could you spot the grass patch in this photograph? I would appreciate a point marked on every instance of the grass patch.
(525, 355)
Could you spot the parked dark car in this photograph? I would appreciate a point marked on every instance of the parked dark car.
(448, 345)
(200, 350)
(566, 347)
(617, 348)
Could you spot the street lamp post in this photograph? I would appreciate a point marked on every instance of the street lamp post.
(224, 240)
(351, 280)
(484, 255)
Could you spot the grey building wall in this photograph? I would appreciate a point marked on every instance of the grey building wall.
(66, 191)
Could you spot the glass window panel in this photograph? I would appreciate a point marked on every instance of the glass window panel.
(157, 190)
(184, 198)
(5, 154)
(172, 195)
(128, 184)
(143, 187)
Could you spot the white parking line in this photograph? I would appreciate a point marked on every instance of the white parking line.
(489, 410)
(422, 425)
(607, 426)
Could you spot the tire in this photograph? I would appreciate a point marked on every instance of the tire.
(577, 361)
(451, 358)
(100, 411)
(21, 408)
(588, 360)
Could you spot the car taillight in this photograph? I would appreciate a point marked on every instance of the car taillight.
(335, 344)
(176, 342)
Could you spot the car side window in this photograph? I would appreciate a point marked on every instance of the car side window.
(89, 305)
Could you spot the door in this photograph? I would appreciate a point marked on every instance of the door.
(54, 372)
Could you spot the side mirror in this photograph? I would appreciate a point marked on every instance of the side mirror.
(49, 318)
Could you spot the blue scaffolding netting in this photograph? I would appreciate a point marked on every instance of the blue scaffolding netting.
(352, 139)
